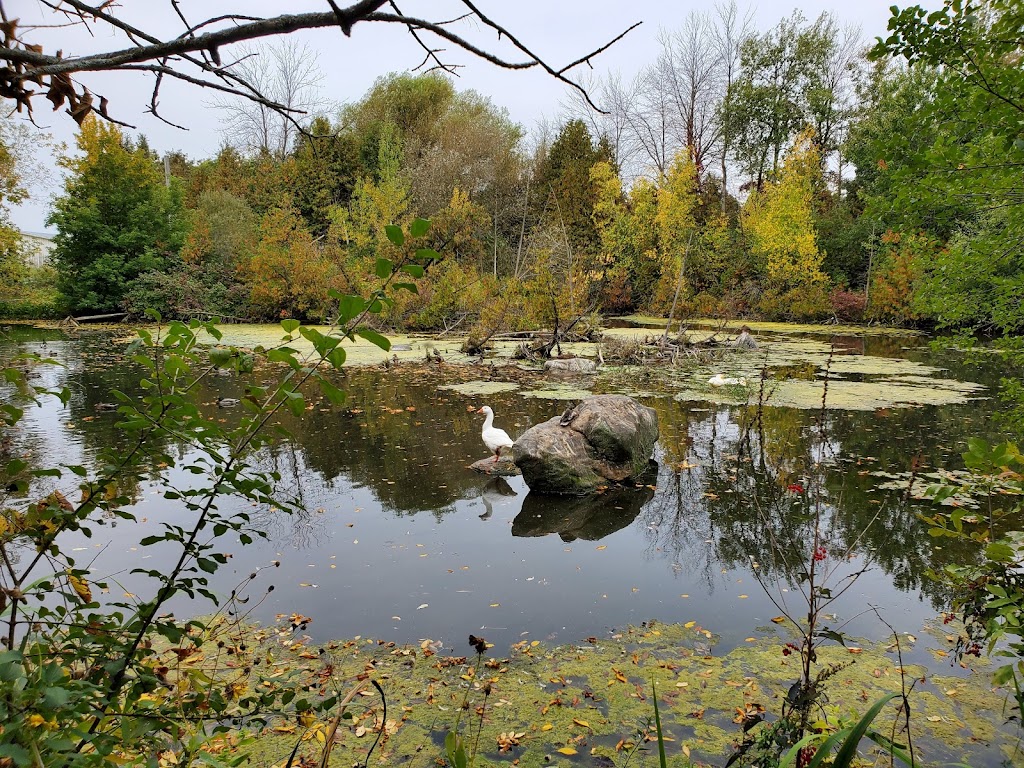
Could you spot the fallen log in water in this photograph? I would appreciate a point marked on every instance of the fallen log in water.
(69, 320)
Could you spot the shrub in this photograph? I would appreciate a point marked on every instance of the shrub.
(847, 305)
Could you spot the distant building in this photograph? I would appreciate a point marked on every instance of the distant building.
(37, 247)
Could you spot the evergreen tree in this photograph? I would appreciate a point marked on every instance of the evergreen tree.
(566, 196)
(115, 220)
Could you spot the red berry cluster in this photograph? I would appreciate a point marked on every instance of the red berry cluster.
(789, 648)
(805, 755)
(820, 553)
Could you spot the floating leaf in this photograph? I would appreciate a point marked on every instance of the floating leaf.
(567, 751)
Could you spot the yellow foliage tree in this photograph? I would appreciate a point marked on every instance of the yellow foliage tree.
(675, 223)
(779, 220)
(677, 204)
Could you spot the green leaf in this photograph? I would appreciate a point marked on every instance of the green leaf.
(384, 267)
(374, 338)
(1000, 552)
(296, 402)
(848, 739)
(349, 307)
(336, 357)
(419, 227)
(427, 254)
(831, 634)
(220, 357)
(662, 759)
(334, 394)
(410, 287)
(290, 325)
(395, 234)
(1003, 675)
(413, 269)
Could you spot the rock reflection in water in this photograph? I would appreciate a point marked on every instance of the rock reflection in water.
(580, 517)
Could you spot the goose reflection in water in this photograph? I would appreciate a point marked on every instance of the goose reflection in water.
(495, 493)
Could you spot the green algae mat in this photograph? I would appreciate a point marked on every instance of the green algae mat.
(796, 366)
(591, 703)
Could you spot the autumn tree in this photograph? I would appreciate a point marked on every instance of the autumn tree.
(288, 274)
(12, 192)
(115, 220)
(676, 223)
(779, 220)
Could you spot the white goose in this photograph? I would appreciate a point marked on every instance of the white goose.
(494, 439)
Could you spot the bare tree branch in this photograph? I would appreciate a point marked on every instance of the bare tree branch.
(24, 63)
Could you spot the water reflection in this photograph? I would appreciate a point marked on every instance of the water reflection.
(395, 519)
(496, 493)
(590, 518)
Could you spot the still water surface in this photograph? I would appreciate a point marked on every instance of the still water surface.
(400, 540)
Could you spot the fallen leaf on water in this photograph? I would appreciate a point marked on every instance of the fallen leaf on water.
(603, 546)
(778, 619)
(421, 606)
(547, 727)
(581, 723)
(690, 624)
(934, 719)
(495, 605)
(744, 597)
(566, 750)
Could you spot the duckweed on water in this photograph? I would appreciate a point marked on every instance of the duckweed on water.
(795, 366)
(595, 698)
(471, 388)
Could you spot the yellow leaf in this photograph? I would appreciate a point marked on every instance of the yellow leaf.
(690, 624)
(603, 546)
(547, 727)
(81, 587)
(566, 750)
(934, 719)
(778, 619)
(581, 723)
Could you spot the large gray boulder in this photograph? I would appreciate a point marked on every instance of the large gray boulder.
(605, 439)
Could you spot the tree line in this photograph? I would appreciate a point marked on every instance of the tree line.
(790, 173)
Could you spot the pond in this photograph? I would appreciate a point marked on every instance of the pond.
(401, 540)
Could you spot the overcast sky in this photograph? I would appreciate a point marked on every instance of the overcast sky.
(557, 30)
